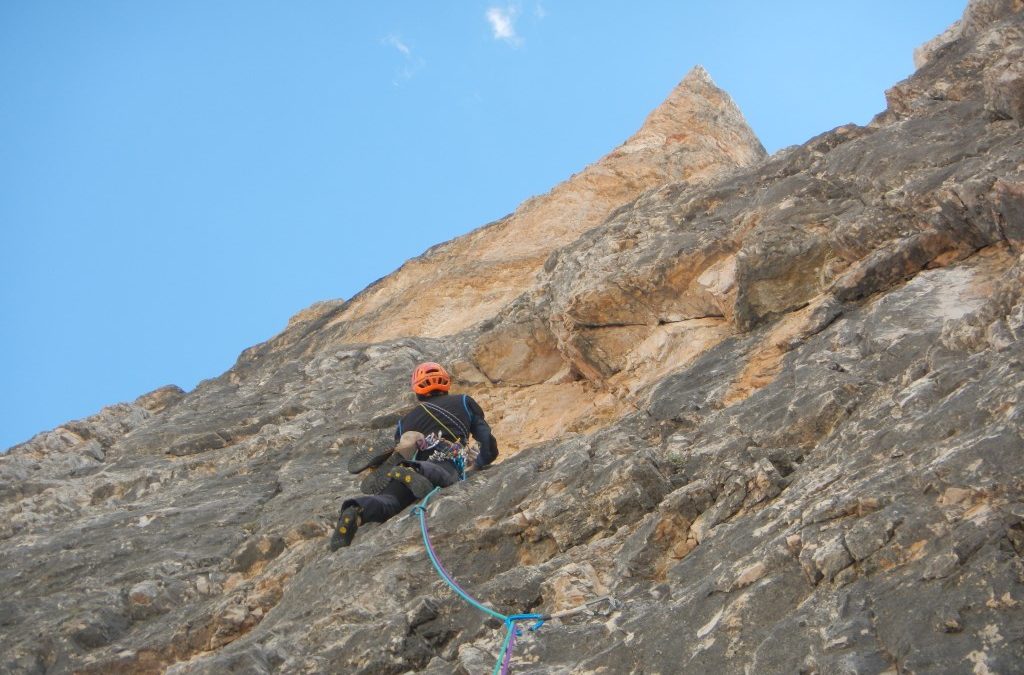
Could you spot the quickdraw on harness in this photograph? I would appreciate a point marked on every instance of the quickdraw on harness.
(454, 451)
(512, 631)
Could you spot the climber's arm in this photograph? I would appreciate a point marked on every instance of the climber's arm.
(481, 431)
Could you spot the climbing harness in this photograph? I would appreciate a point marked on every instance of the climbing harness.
(445, 451)
(512, 631)
(454, 452)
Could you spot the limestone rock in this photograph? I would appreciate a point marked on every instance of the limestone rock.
(925, 53)
(1004, 87)
(771, 406)
(695, 134)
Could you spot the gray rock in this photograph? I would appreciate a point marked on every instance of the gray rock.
(773, 411)
(1004, 88)
(93, 449)
(941, 566)
(869, 535)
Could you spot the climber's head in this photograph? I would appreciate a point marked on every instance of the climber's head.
(430, 378)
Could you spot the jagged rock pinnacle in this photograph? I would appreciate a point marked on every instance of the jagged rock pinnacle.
(698, 113)
(696, 133)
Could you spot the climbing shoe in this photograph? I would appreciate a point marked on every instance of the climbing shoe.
(364, 458)
(412, 479)
(378, 479)
(348, 523)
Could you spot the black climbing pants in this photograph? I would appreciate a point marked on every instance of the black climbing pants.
(395, 496)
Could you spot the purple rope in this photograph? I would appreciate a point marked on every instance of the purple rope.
(508, 652)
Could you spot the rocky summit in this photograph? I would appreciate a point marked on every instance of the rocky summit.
(768, 407)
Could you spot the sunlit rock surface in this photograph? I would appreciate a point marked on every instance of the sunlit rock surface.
(772, 406)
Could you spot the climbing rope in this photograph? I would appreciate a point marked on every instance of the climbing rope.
(512, 631)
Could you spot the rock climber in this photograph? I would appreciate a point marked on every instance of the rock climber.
(431, 450)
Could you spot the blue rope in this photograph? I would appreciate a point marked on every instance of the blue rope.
(511, 631)
(421, 511)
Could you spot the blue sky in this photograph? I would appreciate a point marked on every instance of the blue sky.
(179, 178)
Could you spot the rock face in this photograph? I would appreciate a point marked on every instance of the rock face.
(698, 132)
(772, 406)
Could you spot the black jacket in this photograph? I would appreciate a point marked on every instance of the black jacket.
(460, 417)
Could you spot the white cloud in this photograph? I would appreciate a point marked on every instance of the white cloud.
(503, 24)
(396, 42)
(411, 64)
(540, 11)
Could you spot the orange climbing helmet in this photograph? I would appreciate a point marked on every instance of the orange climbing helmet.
(430, 377)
